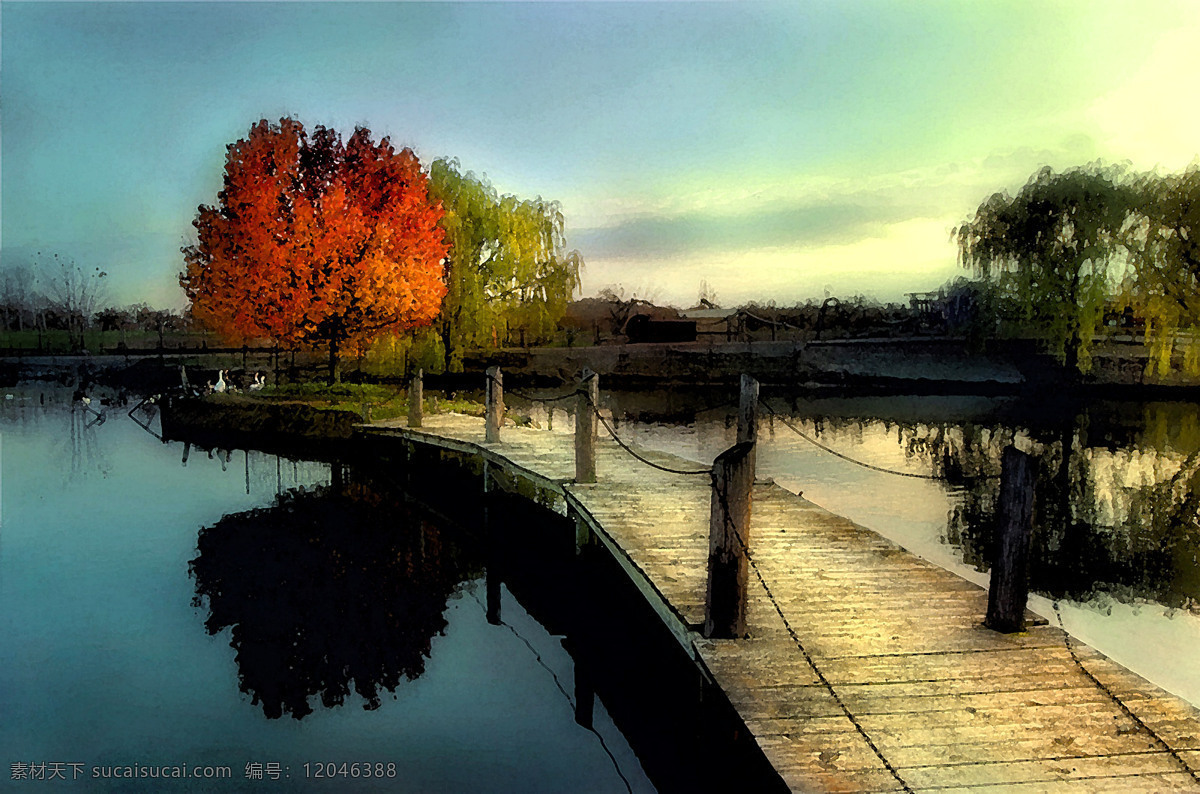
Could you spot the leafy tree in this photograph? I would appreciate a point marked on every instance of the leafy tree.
(508, 269)
(157, 320)
(112, 318)
(1052, 248)
(317, 242)
(1165, 254)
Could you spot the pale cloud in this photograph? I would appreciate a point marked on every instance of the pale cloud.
(912, 255)
(1152, 117)
(792, 239)
(951, 187)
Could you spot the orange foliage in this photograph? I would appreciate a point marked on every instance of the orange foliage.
(317, 242)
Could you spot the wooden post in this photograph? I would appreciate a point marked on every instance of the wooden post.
(747, 420)
(1009, 588)
(495, 405)
(582, 534)
(729, 537)
(416, 399)
(585, 426)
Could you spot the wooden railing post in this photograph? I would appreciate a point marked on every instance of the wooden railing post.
(582, 534)
(416, 399)
(747, 427)
(586, 426)
(495, 405)
(1009, 590)
(729, 538)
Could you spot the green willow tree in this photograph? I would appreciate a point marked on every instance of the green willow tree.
(1053, 251)
(1164, 251)
(508, 271)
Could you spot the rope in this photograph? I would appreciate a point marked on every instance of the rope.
(835, 453)
(800, 645)
(1120, 704)
(631, 451)
(543, 400)
(530, 397)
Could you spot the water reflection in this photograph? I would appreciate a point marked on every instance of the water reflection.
(1116, 504)
(1117, 511)
(326, 591)
(85, 453)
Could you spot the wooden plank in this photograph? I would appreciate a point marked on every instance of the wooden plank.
(873, 702)
(1050, 770)
(1124, 784)
(1012, 750)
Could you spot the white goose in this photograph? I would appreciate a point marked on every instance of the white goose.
(220, 385)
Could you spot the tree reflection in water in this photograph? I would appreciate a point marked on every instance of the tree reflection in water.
(1117, 505)
(325, 590)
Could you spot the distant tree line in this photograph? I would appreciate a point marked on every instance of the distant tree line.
(52, 293)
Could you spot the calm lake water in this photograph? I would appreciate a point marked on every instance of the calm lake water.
(1117, 533)
(237, 611)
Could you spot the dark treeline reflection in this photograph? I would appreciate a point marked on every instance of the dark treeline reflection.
(1117, 500)
(326, 591)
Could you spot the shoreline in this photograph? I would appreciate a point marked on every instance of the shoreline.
(918, 366)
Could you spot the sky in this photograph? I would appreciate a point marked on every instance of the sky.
(770, 151)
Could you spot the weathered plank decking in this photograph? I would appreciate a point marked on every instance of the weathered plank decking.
(867, 668)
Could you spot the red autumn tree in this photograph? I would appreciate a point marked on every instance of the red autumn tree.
(317, 242)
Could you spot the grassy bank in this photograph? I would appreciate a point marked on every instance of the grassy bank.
(369, 401)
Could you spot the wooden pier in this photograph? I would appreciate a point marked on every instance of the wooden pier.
(866, 668)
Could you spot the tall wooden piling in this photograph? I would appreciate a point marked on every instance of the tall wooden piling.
(416, 399)
(1009, 590)
(747, 427)
(747, 418)
(729, 538)
(495, 405)
(586, 426)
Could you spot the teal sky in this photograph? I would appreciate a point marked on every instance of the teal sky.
(775, 151)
